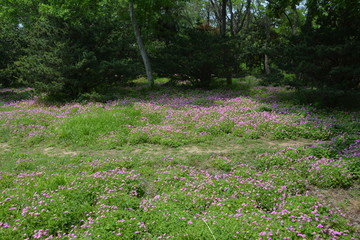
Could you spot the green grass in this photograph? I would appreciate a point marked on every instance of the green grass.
(101, 127)
(185, 165)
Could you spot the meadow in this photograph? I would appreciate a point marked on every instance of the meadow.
(179, 163)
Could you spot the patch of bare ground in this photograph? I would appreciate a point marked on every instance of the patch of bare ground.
(4, 147)
(52, 151)
(150, 149)
(200, 150)
(238, 147)
(347, 200)
(135, 150)
(291, 143)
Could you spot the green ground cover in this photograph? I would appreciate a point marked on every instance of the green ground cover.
(178, 164)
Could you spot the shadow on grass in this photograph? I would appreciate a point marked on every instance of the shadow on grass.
(11, 95)
(164, 87)
(325, 98)
(247, 86)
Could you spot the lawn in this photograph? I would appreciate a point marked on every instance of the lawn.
(178, 164)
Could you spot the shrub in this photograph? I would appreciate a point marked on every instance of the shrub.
(196, 55)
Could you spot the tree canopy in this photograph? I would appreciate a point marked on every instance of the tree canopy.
(68, 48)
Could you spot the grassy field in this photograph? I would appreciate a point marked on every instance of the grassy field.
(178, 164)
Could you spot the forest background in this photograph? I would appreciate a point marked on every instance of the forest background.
(70, 49)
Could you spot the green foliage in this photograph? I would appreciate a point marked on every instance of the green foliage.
(326, 53)
(11, 39)
(41, 66)
(354, 167)
(196, 55)
(64, 54)
(66, 67)
(68, 50)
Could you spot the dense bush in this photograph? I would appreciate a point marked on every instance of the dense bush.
(11, 39)
(326, 54)
(67, 59)
(197, 55)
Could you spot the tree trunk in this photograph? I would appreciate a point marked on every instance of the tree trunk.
(220, 10)
(267, 65)
(247, 16)
(141, 46)
(295, 20)
(248, 13)
(223, 18)
(208, 17)
(231, 18)
(266, 57)
(223, 34)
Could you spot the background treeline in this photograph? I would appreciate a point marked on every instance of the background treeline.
(70, 47)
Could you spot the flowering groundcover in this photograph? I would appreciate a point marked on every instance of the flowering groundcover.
(162, 195)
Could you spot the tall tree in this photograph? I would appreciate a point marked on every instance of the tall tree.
(220, 10)
(240, 15)
(289, 9)
(141, 46)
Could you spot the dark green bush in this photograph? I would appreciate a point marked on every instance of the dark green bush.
(66, 59)
(326, 54)
(197, 55)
